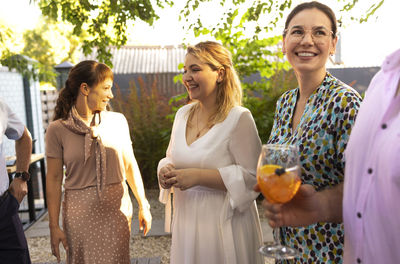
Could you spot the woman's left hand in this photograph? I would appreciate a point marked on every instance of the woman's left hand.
(182, 178)
(145, 220)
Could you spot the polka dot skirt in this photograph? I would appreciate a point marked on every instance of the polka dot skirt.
(98, 230)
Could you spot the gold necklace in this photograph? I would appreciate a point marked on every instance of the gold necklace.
(197, 126)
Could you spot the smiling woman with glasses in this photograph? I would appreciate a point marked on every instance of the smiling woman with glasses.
(317, 117)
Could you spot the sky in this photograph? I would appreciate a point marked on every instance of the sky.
(362, 45)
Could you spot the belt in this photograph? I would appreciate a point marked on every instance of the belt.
(3, 197)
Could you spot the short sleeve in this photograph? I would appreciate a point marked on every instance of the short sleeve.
(54, 147)
(125, 136)
(277, 118)
(346, 113)
(15, 128)
(240, 178)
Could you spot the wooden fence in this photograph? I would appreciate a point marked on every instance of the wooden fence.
(49, 99)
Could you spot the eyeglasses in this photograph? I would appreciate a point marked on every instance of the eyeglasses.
(318, 34)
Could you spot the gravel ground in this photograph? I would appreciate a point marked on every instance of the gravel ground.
(140, 247)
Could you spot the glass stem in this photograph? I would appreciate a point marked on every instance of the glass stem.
(276, 236)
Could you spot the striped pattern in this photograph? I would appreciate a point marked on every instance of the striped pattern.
(145, 59)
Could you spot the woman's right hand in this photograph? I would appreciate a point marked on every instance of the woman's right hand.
(303, 210)
(57, 235)
(161, 175)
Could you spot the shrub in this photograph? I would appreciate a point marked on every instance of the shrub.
(262, 102)
(146, 111)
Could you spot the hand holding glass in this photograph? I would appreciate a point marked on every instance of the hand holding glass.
(278, 176)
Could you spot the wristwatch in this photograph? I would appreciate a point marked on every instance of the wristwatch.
(24, 175)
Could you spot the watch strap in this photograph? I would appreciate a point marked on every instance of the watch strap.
(24, 175)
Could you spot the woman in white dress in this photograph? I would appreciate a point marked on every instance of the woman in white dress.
(210, 166)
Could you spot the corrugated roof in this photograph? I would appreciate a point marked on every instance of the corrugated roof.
(145, 59)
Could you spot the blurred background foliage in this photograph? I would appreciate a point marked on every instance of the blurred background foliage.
(146, 111)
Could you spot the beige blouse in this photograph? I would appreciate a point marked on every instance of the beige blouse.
(61, 143)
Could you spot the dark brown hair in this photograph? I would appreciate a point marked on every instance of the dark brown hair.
(310, 5)
(90, 72)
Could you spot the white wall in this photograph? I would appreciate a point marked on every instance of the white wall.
(12, 92)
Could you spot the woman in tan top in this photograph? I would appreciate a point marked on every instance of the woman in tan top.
(94, 146)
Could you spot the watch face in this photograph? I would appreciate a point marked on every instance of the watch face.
(23, 175)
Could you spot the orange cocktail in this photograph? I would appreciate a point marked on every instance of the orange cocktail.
(277, 184)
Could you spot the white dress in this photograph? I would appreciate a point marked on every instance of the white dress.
(213, 226)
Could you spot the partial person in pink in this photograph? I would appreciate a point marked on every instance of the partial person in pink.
(92, 148)
(371, 210)
(368, 199)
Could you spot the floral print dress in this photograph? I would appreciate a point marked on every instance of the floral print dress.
(321, 137)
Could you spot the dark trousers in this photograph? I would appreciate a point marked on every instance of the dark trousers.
(13, 245)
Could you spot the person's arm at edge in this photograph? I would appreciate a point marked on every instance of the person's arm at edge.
(23, 150)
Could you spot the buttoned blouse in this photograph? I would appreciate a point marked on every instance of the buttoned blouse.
(371, 210)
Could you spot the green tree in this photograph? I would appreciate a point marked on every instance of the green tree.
(10, 57)
(51, 43)
(104, 22)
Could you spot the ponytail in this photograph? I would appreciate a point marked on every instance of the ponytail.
(65, 101)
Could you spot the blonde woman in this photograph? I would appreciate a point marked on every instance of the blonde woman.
(210, 166)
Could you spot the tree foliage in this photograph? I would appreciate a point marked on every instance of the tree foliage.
(51, 43)
(104, 22)
(10, 58)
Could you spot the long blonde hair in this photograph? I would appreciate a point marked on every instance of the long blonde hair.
(229, 90)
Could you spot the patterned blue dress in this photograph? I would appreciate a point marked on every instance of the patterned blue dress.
(321, 137)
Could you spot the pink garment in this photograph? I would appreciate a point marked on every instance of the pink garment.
(371, 199)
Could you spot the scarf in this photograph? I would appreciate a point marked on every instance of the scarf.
(75, 124)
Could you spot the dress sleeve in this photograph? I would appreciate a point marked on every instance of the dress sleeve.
(165, 193)
(277, 122)
(346, 116)
(240, 178)
(53, 142)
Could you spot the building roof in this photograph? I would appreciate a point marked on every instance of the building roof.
(145, 59)
(356, 77)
